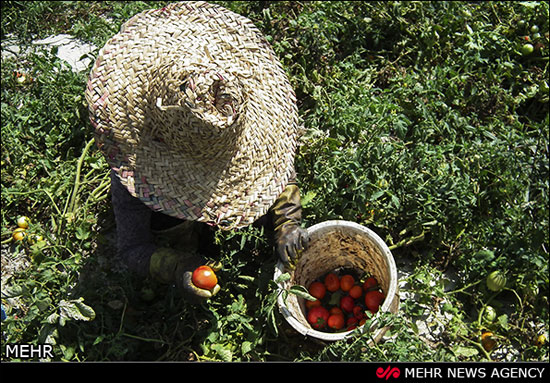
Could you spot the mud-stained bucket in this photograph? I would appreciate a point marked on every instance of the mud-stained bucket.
(334, 245)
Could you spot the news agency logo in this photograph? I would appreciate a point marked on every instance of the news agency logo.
(389, 372)
(29, 351)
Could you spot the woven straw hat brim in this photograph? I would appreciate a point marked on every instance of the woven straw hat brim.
(195, 114)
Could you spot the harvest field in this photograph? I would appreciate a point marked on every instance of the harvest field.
(427, 122)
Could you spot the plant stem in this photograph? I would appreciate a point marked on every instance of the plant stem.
(407, 241)
(74, 194)
(143, 339)
(464, 288)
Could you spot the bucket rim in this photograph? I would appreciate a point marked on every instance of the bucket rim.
(392, 285)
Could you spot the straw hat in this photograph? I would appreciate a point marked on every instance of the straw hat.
(195, 114)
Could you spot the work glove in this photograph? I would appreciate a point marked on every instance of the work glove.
(171, 266)
(290, 239)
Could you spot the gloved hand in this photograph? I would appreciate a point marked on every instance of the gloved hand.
(170, 266)
(290, 238)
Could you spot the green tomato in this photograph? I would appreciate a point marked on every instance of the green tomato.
(534, 29)
(527, 49)
(522, 24)
(490, 314)
(496, 281)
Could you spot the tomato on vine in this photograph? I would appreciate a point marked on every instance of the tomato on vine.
(496, 281)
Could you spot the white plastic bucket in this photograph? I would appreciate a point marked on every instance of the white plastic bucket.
(338, 244)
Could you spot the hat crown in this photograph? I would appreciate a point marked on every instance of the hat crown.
(193, 105)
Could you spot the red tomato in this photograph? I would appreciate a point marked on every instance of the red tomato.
(356, 292)
(370, 283)
(332, 282)
(336, 310)
(351, 323)
(336, 321)
(358, 312)
(318, 317)
(346, 282)
(373, 299)
(347, 303)
(311, 304)
(318, 290)
(204, 278)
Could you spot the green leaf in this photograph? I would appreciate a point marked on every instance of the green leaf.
(395, 201)
(76, 309)
(13, 291)
(246, 347)
(98, 340)
(282, 278)
(82, 233)
(529, 4)
(225, 354)
(503, 321)
(414, 327)
(43, 304)
(465, 351)
(68, 351)
(48, 334)
(307, 198)
(377, 195)
(335, 298)
(302, 292)
(53, 318)
(272, 322)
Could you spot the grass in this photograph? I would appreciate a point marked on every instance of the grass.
(423, 121)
